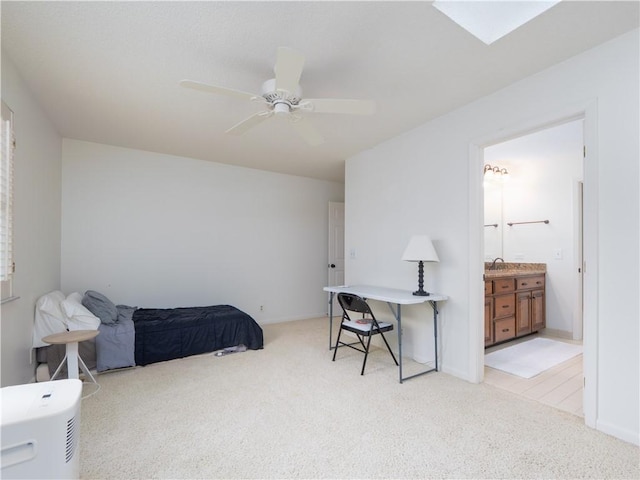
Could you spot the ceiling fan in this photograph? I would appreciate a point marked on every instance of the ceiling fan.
(282, 96)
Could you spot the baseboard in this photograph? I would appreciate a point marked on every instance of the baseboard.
(621, 433)
(552, 332)
(308, 316)
(421, 359)
(454, 372)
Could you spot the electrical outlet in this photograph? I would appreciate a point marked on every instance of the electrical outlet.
(262, 308)
(557, 254)
(352, 253)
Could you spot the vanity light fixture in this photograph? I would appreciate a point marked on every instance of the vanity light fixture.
(495, 172)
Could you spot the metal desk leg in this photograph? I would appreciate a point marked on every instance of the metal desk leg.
(331, 294)
(434, 305)
(399, 319)
(398, 315)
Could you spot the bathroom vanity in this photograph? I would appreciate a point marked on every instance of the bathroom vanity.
(514, 301)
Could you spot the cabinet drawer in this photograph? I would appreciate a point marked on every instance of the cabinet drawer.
(504, 305)
(531, 282)
(504, 285)
(488, 288)
(504, 329)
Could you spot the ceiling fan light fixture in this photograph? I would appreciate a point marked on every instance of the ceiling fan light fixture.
(282, 97)
(281, 108)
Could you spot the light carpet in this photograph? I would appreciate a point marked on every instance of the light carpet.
(289, 412)
(528, 359)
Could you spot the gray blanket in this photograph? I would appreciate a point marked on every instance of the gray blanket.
(115, 346)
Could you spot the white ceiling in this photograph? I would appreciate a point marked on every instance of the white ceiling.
(108, 72)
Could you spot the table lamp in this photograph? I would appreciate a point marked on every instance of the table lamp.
(420, 249)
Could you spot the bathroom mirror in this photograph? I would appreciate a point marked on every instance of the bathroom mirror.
(493, 221)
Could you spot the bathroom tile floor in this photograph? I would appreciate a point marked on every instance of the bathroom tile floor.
(560, 387)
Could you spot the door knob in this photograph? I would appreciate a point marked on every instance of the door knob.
(333, 265)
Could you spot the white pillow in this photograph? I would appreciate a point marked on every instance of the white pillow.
(49, 317)
(78, 316)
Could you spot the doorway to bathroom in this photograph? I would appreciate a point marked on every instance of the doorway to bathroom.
(533, 215)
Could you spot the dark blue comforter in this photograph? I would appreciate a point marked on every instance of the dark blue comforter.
(165, 334)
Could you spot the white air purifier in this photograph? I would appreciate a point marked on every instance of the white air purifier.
(41, 430)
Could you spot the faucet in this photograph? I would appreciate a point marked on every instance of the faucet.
(493, 264)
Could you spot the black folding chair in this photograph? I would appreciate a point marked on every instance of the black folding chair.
(358, 318)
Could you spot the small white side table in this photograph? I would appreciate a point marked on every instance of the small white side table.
(71, 340)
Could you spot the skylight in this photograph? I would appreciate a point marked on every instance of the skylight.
(492, 20)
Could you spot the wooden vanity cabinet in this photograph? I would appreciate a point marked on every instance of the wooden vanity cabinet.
(488, 322)
(514, 306)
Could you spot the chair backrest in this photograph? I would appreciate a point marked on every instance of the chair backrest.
(353, 303)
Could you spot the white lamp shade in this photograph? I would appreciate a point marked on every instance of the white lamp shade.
(419, 249)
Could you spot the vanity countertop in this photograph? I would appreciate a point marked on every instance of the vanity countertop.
(508, 269)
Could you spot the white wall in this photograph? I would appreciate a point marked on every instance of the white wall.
(154, 230)
(420, 182)
(36, 223)
(544, 169)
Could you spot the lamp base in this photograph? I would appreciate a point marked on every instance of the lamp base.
(420, 292)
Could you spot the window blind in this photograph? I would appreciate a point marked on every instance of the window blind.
(6, 197)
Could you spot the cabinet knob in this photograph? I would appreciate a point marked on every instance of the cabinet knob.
(524, 284)
(505, 330)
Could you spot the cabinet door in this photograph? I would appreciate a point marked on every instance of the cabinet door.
(537, 310)
(523, 310)
(488, 331)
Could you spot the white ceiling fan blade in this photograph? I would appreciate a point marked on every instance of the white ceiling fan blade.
(288, 69)
(334, 105)
(308, 132)
(215, 89)
(248, 123)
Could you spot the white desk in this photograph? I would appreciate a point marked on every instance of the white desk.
(393, 297)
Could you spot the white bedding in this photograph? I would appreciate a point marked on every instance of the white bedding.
(56, 313)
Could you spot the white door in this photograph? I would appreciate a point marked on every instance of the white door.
(335, 263)
(578, 310)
